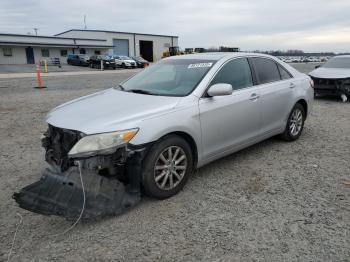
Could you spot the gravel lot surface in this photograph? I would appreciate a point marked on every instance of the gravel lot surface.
(274, 201)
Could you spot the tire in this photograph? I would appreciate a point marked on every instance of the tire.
(114, 67)
(123, 65)
(153, 159)
(290, 133)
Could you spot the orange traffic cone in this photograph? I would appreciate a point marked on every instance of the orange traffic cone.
(40, 84)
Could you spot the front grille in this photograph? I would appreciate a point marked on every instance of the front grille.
(58, 142)
(325, 81)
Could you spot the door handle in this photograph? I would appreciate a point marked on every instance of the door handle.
(254, 97)
(292, 85)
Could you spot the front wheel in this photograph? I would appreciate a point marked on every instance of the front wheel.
(166, 167)
(295, 123)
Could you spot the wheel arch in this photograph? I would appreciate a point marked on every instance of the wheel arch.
(304, 104)
(190, 140)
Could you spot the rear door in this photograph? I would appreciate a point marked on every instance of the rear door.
(276, 93)
(230, 121)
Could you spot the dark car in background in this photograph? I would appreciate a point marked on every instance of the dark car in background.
(78, 59)
(140, 62)
(333, 78)
(107, 61)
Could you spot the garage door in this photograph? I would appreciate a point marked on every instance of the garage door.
(121, 47)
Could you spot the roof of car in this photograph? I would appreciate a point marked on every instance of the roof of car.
(216, 55)
(342, 56)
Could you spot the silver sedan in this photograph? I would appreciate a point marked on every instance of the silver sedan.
(193, 109)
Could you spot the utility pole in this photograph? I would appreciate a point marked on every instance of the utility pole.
(85, 27)
(36, 31)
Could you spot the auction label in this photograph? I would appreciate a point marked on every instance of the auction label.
(200, 65)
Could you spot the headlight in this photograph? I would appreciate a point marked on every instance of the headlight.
(107, 63)
(105, 143)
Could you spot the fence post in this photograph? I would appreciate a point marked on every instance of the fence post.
(101, 65)
(45, 66)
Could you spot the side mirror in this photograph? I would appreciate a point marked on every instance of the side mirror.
(220, 90)
(318, 66)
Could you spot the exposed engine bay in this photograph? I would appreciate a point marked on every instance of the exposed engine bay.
(101, 184)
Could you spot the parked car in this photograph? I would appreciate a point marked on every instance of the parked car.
(333, 77)
(78, 59)
(154, 129)
(108, 62)
(140, 62)
(124, 61)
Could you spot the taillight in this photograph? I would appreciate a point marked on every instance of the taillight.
(312, 84)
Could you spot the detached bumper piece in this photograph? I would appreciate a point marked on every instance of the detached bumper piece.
(61, 194)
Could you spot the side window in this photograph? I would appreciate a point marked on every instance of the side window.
(236, 72)
(284, 73)
(7, 51)
(45, 52)
(266, 70)
(63, 52)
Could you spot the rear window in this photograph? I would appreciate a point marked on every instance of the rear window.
(338, 62)
(266, 70)
(284, 73)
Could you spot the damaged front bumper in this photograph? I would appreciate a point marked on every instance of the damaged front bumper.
(325, 86)
(92, 187)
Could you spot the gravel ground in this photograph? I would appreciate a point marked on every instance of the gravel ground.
(274, 201)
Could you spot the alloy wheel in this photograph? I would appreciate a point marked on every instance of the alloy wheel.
(170, 167)
(296, 122)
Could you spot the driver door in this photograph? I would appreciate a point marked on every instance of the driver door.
(232, 121)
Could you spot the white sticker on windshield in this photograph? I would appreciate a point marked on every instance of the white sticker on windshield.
(200, 65)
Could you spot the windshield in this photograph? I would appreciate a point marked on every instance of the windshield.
(173, 77)
(338, 62)
(104, 57)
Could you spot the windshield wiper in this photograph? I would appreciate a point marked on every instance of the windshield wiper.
(121, 87)
(140, 91)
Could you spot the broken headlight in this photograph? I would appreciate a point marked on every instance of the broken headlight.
(105, 143)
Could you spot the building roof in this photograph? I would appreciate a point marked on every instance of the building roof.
(55, 37)
(118, 32)
(2, 43)
(51, 41)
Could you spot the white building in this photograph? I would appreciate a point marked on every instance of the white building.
(30, 49)
(149, 46)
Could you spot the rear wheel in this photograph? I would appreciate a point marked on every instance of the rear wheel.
(167, 167)
(295, 123)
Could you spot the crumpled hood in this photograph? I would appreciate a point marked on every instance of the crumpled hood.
(332, 73)
(109, 110)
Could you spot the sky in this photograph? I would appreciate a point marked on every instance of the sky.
(309, 25)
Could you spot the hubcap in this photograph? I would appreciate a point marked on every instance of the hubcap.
(170, 167)
(296, 122)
